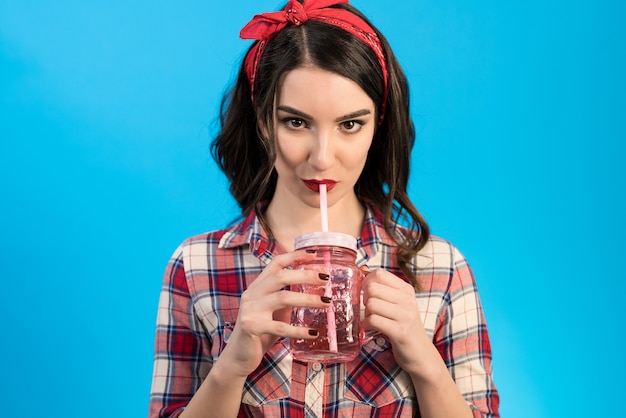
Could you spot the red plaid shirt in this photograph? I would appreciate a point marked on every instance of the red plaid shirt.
(198, 308)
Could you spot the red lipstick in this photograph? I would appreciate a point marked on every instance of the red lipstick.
(314, 184)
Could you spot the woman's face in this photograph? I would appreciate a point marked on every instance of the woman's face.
(324, 125)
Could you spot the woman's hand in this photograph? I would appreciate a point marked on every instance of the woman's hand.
(265, 311)
(391, 308)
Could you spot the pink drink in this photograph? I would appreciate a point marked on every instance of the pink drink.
(336, 255)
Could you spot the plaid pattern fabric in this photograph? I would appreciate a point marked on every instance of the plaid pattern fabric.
(198, 308)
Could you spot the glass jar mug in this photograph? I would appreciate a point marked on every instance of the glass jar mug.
(339, 326)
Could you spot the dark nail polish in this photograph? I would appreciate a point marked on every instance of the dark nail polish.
(313, 332)
(325, 299)
(324, 276)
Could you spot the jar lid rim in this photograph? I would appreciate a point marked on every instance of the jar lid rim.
(336, 239)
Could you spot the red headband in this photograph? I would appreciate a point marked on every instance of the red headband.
(262, 27)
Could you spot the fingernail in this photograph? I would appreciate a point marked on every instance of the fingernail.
(313, 333)
(324, 276)
(325, 299)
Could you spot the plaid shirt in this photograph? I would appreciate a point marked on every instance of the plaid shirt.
(198, 308)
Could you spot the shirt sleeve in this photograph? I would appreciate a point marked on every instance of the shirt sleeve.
(181, 353)
(463, 342)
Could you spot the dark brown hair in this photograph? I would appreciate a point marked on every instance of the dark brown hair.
(245, 151)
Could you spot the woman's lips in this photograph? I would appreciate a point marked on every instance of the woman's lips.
(314, 185)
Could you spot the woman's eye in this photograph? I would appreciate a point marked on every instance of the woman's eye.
(294, 123)
(351, 126)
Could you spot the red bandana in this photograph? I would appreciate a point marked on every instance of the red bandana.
(262, 27)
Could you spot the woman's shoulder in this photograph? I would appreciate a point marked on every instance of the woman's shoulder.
(438, 252)
(198, 243)
(441, 268)
(437, 243)
(236, 235)
(213, 236)
(216, 237)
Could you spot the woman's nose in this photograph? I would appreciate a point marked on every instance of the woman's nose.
(321, 156)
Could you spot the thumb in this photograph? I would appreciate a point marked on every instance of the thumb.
(365, 268)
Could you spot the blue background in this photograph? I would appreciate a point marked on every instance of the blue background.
(106, 110)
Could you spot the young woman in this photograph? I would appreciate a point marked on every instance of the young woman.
(319, 99)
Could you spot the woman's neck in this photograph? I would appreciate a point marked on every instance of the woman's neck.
(287, 221)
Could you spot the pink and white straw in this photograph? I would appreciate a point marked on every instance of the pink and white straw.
(328, 290)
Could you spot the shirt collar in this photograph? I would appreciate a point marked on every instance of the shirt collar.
(250, 232)
(373, 235)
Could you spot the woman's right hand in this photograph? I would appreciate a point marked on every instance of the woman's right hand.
(265, 312)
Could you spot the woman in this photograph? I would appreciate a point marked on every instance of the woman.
(319, 99)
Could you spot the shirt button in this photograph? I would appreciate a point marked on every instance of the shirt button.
(316, 367)
(380, 341)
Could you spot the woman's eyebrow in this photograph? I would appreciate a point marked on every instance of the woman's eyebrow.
(303, 115)
(293, 111)
(353, 115)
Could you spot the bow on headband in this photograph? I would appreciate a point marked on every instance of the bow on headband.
(263, 26)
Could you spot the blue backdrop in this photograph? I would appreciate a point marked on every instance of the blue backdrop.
(106, 110)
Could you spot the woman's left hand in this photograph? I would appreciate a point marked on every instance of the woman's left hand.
(391, 308)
